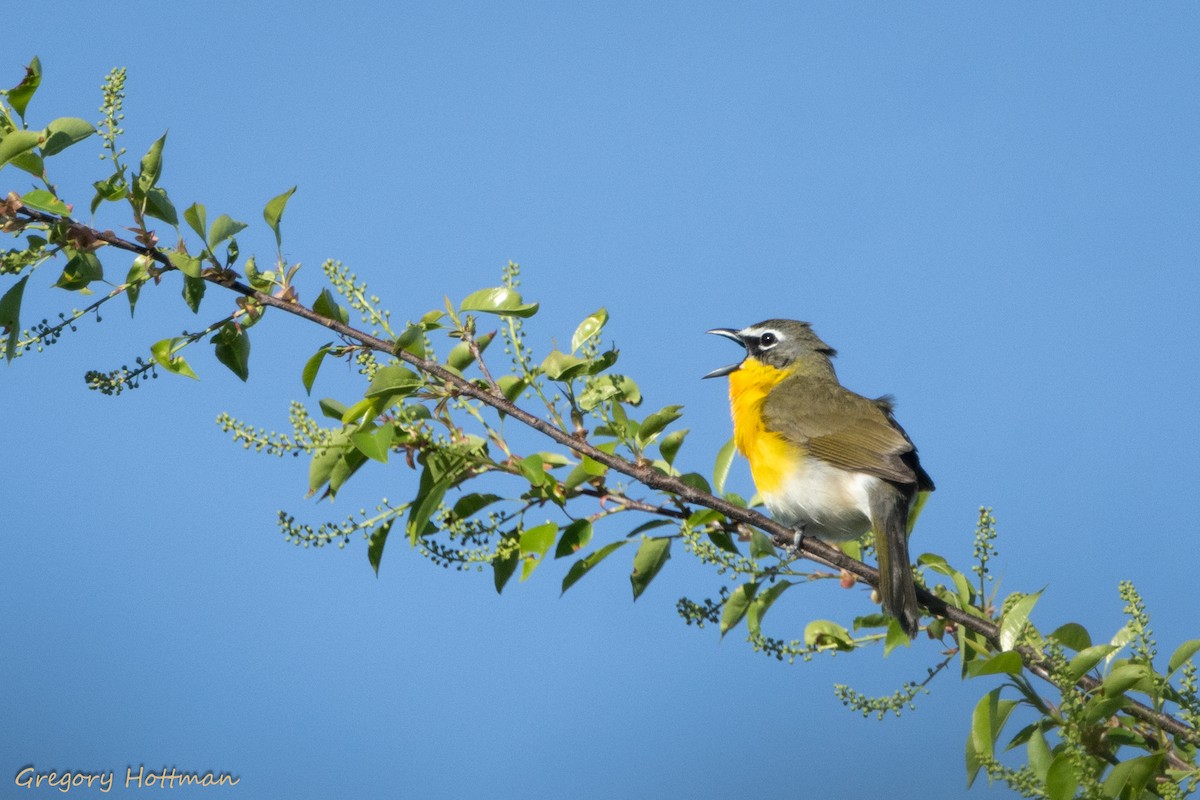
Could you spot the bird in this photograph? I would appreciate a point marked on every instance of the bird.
(826, 461)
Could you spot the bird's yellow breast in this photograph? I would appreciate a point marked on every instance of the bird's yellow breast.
(799, 490)
(771, 457)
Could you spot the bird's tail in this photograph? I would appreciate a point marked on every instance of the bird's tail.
(889, 516)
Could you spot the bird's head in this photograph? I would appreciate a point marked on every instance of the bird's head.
(785, 344)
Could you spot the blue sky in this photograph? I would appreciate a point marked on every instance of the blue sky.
(989, 211)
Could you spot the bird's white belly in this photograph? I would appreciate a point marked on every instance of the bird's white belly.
(824, 501)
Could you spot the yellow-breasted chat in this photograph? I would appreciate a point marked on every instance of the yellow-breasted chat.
(827, 462)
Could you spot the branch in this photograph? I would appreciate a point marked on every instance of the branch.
(783, 537)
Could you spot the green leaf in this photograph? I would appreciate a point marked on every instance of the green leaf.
(377, 541)
(575, 478)
(723, 540)
(871, 621)
(649, 560)
(411, 340)
(461, 357)
(1016, 620)
(602, 362)
(357, 412)
(826, 635)
(159, 206)
(197, 219)
(696, 481)
(499, 300)
(43, 200)
(558, 366)
(576, 536)
(503, 568)
(1120, 639)
(20, 95)
(590, 327)
(531, 467)
(586, 564)
(375, 443)
(164, 353)
(1135, 773)
(1124, 677)
(590, 467)
(1061, 781)
(188, 265)
(10, 316)
(895, 637)
(81, 269)
(553, 460)
(313, 366)
(1072, 636)
(327, 306)
(425, 504)
(223, 227)
(704, 516)
(331, 408)
(112, 188)
(736, 606)
(618, 388)
(535, 543)
(973, 762)
(325, 459)
(233, 349)
(1181, 655)
(259, 281)
(193, 292)
(1086, 659)
(670, 444)
(963, 588)
(914, 511)
(29, 161)
(852, 548)
(935, 562)
(987, 721)
(1006, 663)
(721, 468)
(1124, 737)
(656, 422)
(649, 526)
(64, 132)
(472, 503)
(761, 545)
(139, 272)
(1039, 753)
(391, 382)
(451, 462)
(273, 213)
(761, 603)
(1101, 708)
(343, 469)
(151, 167)
(17, 142)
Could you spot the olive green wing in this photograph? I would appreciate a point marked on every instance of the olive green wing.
(840, 427)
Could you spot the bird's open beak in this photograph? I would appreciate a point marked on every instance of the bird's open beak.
(728, 333)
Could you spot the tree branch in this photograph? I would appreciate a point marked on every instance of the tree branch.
(783, 537)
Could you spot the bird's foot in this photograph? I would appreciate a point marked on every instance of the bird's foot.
(793, 549)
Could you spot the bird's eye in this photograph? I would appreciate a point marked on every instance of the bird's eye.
(768, 339)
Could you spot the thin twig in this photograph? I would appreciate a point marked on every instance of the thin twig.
(477, 354)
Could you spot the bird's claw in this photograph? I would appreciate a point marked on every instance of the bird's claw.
(793, 549)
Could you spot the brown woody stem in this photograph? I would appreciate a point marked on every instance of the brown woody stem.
(645, 474)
